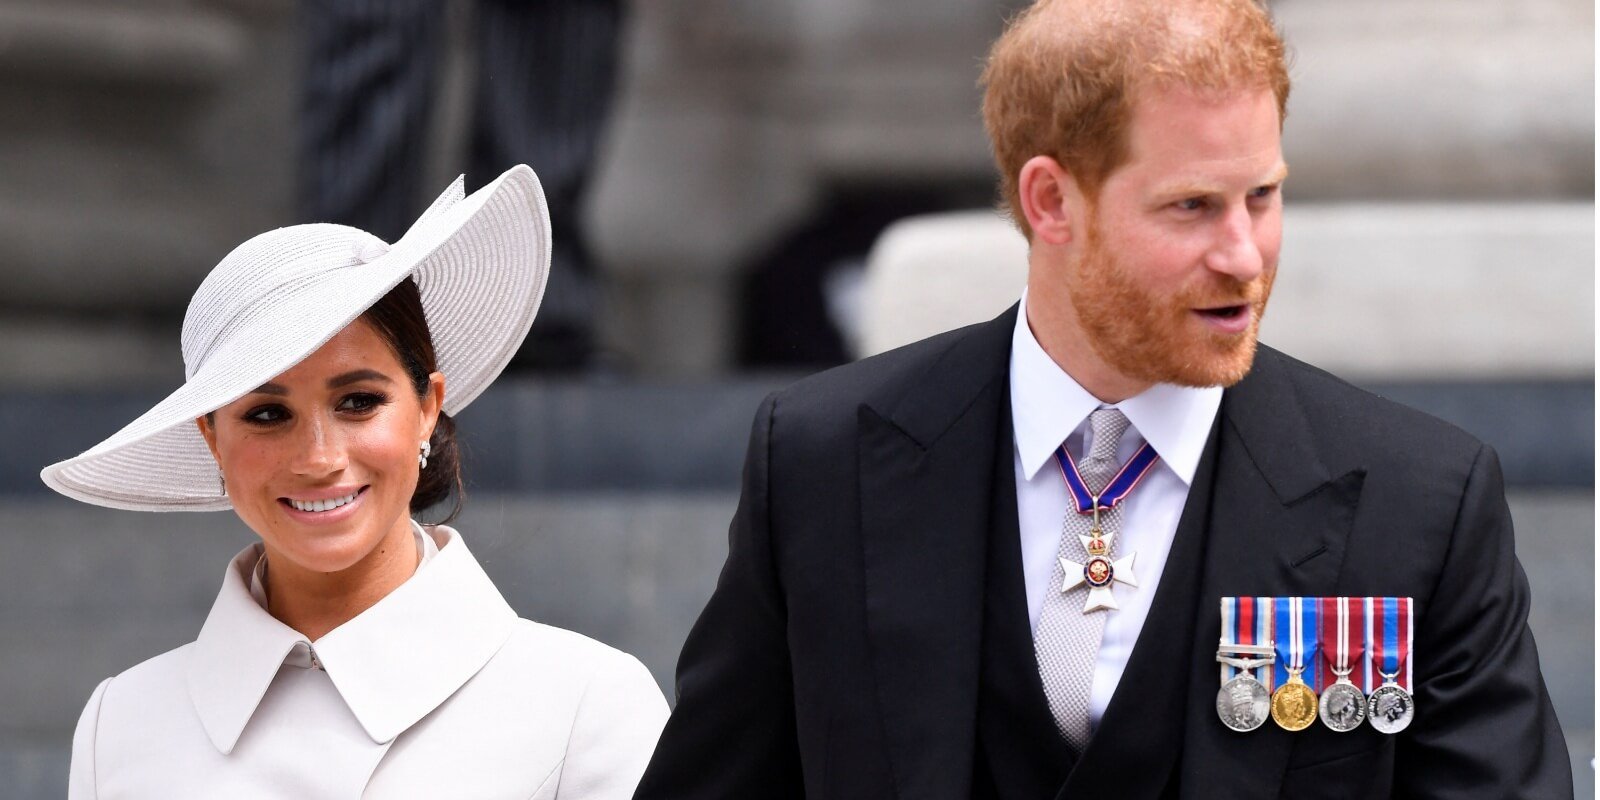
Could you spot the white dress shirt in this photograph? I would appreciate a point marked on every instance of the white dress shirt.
(1048, 408)
(437, 690)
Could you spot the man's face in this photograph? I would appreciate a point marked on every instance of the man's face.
(1182, 243)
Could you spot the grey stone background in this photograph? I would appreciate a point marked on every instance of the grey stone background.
(140, 141)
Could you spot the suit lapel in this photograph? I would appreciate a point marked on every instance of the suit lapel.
(1279, 520)
(926, 461)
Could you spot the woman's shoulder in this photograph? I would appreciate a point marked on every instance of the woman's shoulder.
(541, 647)
(555, 668)
(614, 707)
(122, 709)
(149, 679)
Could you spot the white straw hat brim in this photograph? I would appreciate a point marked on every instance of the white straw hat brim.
(480, 263)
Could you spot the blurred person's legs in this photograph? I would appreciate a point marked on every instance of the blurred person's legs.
(366, 96)
(546, 73)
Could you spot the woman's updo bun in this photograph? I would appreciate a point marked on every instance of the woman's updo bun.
(399, 319)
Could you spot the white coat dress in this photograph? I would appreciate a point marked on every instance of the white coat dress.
(437, 691)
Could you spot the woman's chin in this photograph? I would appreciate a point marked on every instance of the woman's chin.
(329, 554)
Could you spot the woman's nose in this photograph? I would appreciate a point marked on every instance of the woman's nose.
(319, 449)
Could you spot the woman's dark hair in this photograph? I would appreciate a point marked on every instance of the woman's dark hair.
(398, 318)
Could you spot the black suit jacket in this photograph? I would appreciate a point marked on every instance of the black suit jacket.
(839, 656)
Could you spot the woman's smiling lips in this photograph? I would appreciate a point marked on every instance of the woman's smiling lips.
(324, 506)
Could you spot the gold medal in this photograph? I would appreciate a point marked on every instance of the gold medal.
(1294, 704)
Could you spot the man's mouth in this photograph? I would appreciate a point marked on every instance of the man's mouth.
(1224, 312)
(1227, 320)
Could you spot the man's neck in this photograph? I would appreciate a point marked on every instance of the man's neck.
(1055, 326)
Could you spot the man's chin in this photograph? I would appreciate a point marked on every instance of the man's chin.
(1228, 367)
(1200, 366)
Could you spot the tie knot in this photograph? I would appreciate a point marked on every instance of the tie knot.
(1106, 426)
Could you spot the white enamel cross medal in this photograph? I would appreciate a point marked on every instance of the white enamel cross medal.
(1098, 571)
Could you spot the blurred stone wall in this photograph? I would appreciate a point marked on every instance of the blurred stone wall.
(140, 141)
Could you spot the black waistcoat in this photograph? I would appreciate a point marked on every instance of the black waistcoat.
(1020, 755)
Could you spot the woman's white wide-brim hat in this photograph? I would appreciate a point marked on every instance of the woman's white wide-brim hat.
(480, 262)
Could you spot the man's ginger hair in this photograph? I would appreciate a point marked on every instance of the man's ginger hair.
(1062, 79)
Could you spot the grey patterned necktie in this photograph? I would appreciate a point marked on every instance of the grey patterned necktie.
(1067, 641)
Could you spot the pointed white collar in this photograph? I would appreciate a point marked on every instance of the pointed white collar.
(1047, 405)
(393, 663)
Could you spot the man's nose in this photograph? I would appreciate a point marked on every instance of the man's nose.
(1234, 252)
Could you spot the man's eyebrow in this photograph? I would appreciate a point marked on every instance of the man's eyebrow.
(1187, 187)
(357, 375)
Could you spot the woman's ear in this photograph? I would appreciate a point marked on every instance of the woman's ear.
(432, 404)
(208, 431)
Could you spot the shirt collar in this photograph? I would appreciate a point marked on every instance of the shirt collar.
(392, 664)
(1047, 405)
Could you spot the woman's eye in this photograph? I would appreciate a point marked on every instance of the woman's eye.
(361, 402)
(266, 415)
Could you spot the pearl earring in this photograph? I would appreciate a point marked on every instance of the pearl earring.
(422, 457)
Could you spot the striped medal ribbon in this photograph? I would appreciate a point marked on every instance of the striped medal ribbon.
(1246, 654)
(1391, 706)
(1294, 703)
(1098, 570)
(1343, 706)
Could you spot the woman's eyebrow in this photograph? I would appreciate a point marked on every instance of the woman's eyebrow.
(356, 375)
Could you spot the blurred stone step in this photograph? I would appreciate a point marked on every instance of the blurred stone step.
(138, 144)
(1475, 100)
(90, 353)
(177, 46)
(1406, 292)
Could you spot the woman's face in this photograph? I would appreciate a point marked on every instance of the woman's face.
(321, 461)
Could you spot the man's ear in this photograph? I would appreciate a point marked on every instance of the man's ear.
(1051, 200)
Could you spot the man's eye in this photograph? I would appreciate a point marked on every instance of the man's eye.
(1263, 191)
(1191, 204)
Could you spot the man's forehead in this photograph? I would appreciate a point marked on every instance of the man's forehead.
(1183, 140)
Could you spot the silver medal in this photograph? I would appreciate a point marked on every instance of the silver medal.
(1342, 707)
(1390, 708)
(1243, 703)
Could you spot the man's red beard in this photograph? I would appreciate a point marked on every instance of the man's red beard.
(1157, 338)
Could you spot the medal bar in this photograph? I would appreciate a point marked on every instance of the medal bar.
(1298, 660)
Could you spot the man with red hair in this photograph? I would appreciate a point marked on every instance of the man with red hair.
(989, 564)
